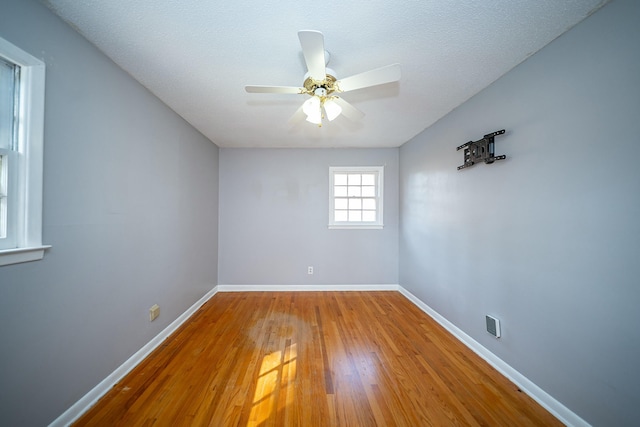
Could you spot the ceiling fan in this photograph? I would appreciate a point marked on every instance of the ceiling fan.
(322, 85)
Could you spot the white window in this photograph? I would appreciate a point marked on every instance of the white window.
(21, 149)
(355, 197)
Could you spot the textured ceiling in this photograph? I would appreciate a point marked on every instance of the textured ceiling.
(197, 56)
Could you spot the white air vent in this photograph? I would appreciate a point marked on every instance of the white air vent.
(493, 326)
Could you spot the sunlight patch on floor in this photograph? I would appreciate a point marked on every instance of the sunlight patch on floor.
(277, 375)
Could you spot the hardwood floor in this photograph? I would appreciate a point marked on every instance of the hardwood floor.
(314, 359)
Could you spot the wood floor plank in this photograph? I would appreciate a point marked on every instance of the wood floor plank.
(314, 359)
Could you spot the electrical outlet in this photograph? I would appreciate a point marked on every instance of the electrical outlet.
(154, 312)
(310, 269)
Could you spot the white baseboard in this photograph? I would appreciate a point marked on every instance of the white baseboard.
(299, 288)
(564, 414)
(91, 398)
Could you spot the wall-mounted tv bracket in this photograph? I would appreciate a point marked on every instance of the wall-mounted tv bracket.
(483, 149)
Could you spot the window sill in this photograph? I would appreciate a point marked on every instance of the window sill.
(356, 227)
(18, 255)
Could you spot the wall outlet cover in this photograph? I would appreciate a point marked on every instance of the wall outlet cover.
(154, 312)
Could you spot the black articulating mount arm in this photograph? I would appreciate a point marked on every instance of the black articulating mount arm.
(481, 150)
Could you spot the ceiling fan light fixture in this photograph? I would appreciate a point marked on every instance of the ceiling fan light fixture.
(321, 84)
(332, 109)
(313, 109)
(315, 118)
(311, 106)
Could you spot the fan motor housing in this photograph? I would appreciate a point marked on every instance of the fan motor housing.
(329, 84)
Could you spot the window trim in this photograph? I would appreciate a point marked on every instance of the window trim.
(379, 223)
(30, 157)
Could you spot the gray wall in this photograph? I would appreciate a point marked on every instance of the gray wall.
(274, 218)
(130, 207)
(549, 239)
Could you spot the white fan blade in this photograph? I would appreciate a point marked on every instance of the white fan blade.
(348, 110)
(273, 89)
(378, 76)
(298, 116)
(312, 43)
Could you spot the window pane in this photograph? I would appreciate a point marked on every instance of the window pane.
(340, 204)
(368, 216)
(340, 191)
(369, 204)
(355, 216)
(340, 179)
(354, 179)
(355, 204)
(368, 191)
(355, 191)
(7, 99)
(340, 216)
(368, 179)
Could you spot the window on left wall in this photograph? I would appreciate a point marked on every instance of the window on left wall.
(22, 79)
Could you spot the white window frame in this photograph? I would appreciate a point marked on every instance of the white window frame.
(26, 162)
(379, 172)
